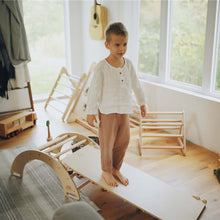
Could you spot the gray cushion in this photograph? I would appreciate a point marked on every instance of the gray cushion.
(76, 211)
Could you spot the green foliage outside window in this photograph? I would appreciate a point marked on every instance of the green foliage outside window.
(188, 41)
(149, 37)
(44, 23)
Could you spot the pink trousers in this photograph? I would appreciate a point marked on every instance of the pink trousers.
(114, 135)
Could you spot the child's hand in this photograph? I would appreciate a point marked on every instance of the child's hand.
(90, 120)
(143, 110)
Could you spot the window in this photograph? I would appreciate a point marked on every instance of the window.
(188, 40)
(44, 23)
(217, 85)
(149, 39)
(179, 44)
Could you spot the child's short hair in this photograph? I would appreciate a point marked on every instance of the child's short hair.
(115, 28)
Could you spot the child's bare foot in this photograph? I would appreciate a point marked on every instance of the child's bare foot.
(109, 179)
(120, 177)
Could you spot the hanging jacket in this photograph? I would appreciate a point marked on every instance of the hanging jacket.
(13, 31)
(7, 71)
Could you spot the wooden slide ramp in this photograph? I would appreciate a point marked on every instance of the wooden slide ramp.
(147, 193)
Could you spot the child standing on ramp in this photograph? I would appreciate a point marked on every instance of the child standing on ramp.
(110, 96)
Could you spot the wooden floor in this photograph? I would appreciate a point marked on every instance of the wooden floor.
(192, 174)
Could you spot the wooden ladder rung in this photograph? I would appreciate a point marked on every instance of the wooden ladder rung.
(63, 93)
(58, 100)
(73, 77)
(73, 146)
(161, 135)
(83, 184)
(133, 120)
(160, 120)
(66, 85)
(55, 107)
(73, 175)
(60, 144)
(161, 127)
(161, 147)
(86, 125)
(48, 144)
(164, 113)
(162, 123)
(133, 125)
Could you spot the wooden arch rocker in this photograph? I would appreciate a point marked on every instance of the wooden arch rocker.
(50, 153)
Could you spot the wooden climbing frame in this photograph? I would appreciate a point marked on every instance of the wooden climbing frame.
(74, 83)
(160, 125)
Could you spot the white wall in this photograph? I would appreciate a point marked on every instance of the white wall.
(82, 50)
(202, 114)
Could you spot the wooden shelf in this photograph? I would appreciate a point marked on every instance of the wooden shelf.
(158, 127)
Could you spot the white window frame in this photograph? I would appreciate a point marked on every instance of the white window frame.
(216, 51)
(210, 52)
(211, 49)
